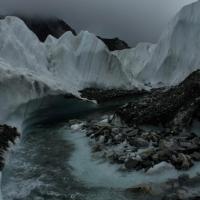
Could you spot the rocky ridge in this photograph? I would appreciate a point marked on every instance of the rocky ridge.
(7, 135)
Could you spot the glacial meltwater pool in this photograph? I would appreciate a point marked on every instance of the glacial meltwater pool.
(53, 162)
(38, 169)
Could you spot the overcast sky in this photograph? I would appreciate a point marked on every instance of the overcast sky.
(131, 20)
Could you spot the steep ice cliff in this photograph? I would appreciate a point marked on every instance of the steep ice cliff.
(177, 53)
(85, 60)
(31, 69)
(134, 60)
(45, 26)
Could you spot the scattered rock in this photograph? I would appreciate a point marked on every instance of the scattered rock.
(131, 164)
(196, 156)
(139, 142)
(144, 189)
(183, 162)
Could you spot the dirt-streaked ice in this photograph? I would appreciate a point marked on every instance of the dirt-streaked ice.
(31, 69)
(177, 53)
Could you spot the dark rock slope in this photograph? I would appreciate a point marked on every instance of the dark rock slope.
(115, 44)
(7, 134)
(175, 107)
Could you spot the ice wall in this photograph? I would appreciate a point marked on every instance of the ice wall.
(177, 53)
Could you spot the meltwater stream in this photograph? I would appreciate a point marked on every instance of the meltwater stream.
(53, 162)
(38, 167)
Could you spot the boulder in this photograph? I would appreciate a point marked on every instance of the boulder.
(139, 142)
(143, 188)
(131, 164)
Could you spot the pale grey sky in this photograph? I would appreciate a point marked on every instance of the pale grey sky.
(131, 20)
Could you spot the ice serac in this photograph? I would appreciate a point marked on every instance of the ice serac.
(22, 63)
(86, 61)
(31, 69)
(134, 60)
(177, 53)
(44, 26)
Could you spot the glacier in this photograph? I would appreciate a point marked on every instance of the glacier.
(31, 69)
(134, 60)
(177, 52)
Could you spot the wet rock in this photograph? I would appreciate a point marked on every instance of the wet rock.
(167, 144)
(115, 130)
(7, 135)
(196, 156)
(132, 132)
(183, 162)
(182, 194)
(139, 142)
(154, 137)
(131, 164)
(183, 179)
(102, 130)
(97, 148)
(164, 154)
(144, 189)
(101, 139)
(146, 164)
(188, 146)
(196, 141)
(147, 153)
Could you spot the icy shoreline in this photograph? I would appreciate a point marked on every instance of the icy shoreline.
(95, 171)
